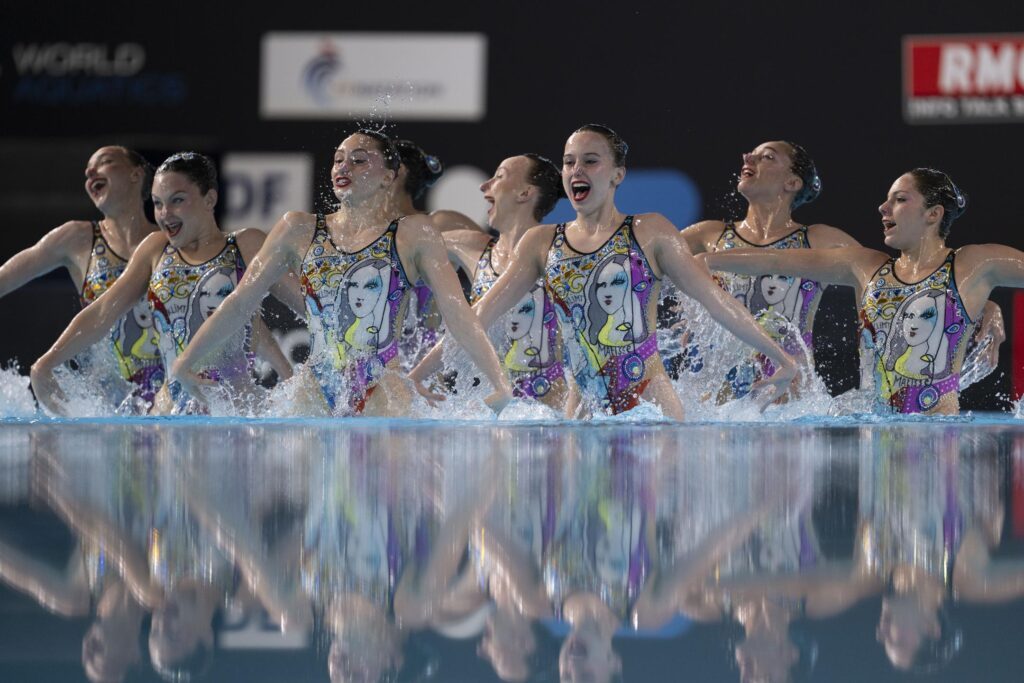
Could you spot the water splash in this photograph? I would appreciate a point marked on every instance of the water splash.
(15, 396)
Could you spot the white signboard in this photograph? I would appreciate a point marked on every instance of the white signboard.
(380, 76)
(258, 189)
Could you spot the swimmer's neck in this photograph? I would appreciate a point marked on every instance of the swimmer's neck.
(128, 225)
(350, 608)
(908, 579)
(403, 205)
(768, 221)
(924, 256)
(586, 610)
(208, 243)
(373, 214)
(603, 218)
(763, 616)
(510, 232)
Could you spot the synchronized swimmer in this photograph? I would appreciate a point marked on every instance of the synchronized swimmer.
(376, 279)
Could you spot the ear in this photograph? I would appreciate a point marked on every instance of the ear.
(526, 194)
(794, 184)
(211, 199)
(936, 213)
(389, 178)
(618, 176)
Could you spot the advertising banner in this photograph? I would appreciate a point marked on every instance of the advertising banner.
(963, 79)
(380, 76)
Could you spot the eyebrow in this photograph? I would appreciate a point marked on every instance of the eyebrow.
(767, 147)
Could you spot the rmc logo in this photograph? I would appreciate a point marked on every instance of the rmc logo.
(963, 78)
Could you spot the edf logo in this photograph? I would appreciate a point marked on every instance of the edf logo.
(258, 189)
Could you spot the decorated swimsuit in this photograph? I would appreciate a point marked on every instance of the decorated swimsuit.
(133, 338)
(605, 301)
(784, 306)
(529, 348)
(355, 302)
(183, 295)
(917, 335)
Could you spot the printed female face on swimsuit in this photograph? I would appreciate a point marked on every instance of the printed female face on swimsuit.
(775, 287)
(365, 288)
(212, 293)
(919, 320)
(358, 170)
(521, 319)
(611, 287)
(143, 315)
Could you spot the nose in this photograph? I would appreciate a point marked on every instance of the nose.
(486, 184)
(749, 157)
(883, 208)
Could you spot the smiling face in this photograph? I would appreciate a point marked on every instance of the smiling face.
(359, 171)
(213, 292)
(919, 319)
(365, 288)
(767, 172)
(775, 287)
(181, 209)
(589, 173)
(504, 192)
(111, 179)
(612, 283)
(905, 219)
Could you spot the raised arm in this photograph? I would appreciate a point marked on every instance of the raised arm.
(465, 248)
(842, 266)
(278, 254)
(980, 268)
(431, 260)
(95, 320)
(57, 248)
(520, 275)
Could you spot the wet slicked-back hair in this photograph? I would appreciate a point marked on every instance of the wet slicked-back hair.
(940, 190)
(619, 147)
(545, 176)
(392, 159)
(422, 169)
(803, 166)
(139, 161)
(195, 166)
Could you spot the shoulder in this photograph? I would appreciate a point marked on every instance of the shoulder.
(445, 220)
(975, 255)
(472, 240)
(151, 247)
(249, 241)
(823, 236)
(296, 221)
(704, 229)
(537, 237)
(71, 237)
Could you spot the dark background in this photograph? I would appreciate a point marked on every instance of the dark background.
(690, 86)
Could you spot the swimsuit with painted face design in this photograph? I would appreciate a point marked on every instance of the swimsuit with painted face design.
(916, 335)
(529, 349)
(183, 295)
(605, 301)
(133, 339)
(784, 306)
(354, 303)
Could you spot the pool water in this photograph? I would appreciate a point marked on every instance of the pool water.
(813, 549)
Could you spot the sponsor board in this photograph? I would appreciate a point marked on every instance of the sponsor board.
(257, 189)
(91, 74)
(379, 76)
(963, 78)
